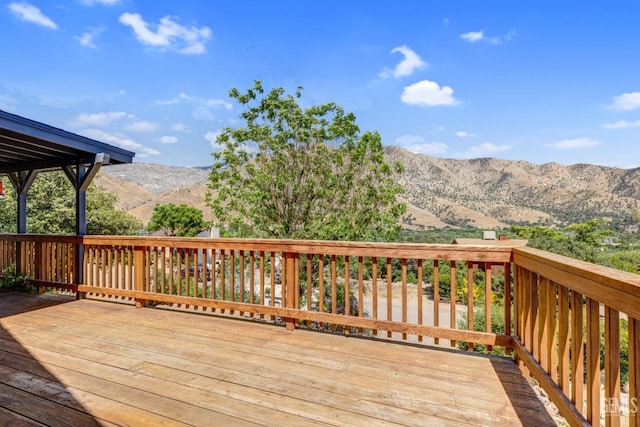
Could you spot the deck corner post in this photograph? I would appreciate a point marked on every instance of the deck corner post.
(139, 270)
(289, 284)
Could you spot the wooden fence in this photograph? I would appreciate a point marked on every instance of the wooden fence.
(555, 312)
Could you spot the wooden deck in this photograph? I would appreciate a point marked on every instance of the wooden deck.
(83, 363)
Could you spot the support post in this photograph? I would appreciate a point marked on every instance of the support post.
(22, 182)
(80, 179)
(289, 284)
(139, 272)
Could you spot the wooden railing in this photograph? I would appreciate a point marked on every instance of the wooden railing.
(559, 306)
(302, 282)
(49, 261)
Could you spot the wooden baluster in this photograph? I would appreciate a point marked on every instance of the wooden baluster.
(321, 286)
(232, 277)
(542, 355)
(252, 279)
(39, 264)
(296, 289)
(487, 300)
(389, 295)
(470, 283)
(223, 278)
(172, 267)
(508, 302)
(309, 283)
(374, 290)
(552, 336)
(436, 296)
(612, 367)
(262, 275)
(334, 293)
(241, 274)
(404, 293)
(196, 272)
(272, 259)
(360, 290)
(452, 297)
(577, 351)
(536, 292)
(593, 361)
(347, 291)
(563, 340)
(634, 372)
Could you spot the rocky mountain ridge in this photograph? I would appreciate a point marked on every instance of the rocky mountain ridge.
(484, 193)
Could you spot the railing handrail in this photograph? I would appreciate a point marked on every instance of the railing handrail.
(617, 289)
(378, 249)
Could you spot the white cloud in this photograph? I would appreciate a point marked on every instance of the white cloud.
(142, 126)
(218, 103)
(7, 103)
(407, 66)
(473, 36)
(428, 94)
(622, 124)
(477, 36)
(483, 150)
(86, 39)
(487, 147)
(167, 139)
(626, 101)
(30, 13)
(120, 140)
(180, 127)
(167, 101)
(98, 119)
(212, 138)
(573, 143)
(168, 34)
(463, 134)
(416, 144)
(203, 113)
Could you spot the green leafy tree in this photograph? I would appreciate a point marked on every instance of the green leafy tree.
(305, 173)
(590, 233)
(176, 220)
(51, 209)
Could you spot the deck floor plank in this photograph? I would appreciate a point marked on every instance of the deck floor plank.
(111, 364)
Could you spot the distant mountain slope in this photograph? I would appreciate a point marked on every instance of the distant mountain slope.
(477, 190)
(485, 193)
(140, 186)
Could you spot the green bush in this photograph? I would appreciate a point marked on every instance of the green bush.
(11, 280)
(479, 325)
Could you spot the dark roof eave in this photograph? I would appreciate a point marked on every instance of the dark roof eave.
(44, 132)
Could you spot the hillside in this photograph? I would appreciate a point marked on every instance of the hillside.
(484, 193)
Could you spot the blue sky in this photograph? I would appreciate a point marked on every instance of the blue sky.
(544, 81)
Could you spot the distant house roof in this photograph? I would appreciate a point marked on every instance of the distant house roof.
(26, 144)
(508, 243)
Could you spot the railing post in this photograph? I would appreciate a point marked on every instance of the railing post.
(78, 267)
(139, 273)
(289, 284)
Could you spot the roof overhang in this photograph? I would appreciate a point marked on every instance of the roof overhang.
(29, 145)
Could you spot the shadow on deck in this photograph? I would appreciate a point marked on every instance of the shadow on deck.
(65, 362)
